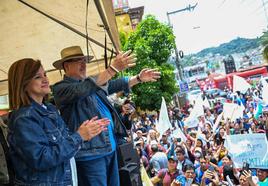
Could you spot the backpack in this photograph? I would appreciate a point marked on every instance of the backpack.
(6, 168)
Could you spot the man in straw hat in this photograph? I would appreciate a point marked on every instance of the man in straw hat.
(80, 97)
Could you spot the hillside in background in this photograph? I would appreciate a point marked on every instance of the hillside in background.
(238, 45)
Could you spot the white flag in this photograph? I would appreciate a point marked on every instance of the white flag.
(217, 122)
(206, 103)
(238, 112)
(163, 123)
(229, 109)
(240, 84)
(191, 122)
(178, 133)
(198, 110)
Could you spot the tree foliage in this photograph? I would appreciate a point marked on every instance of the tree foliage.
(265, 53)
(264, 42)
(264, 39)
(152, 43)
(123, 38)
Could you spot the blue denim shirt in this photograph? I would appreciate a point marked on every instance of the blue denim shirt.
(41, 147)
(77, 103)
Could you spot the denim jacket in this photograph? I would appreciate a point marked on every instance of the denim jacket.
(76, 103)
(41, 147)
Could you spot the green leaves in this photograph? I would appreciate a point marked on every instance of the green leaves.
(264, 38)
(265, 53)
(264, 42)
(152, 43)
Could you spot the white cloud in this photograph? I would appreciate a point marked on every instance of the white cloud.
(216, 21)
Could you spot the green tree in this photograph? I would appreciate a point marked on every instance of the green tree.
(265, 54)
(264, 39)
(264, 42)
(153, 43)
(123, 38)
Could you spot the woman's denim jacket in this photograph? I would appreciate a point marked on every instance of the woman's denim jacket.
(76, 102)
(41, 147)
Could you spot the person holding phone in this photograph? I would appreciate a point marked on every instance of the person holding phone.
(187, 178)
(245, 178)
(201, 169)
(228, 170)
(126, 111)
(210, 176)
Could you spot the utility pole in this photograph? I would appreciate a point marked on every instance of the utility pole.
(177, 54)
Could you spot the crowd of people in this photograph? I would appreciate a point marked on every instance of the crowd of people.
(201, 158)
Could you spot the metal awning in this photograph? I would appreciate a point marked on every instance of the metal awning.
(25, 32)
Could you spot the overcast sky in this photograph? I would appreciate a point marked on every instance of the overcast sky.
(211, 23)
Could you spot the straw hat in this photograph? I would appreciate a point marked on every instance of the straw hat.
(73, 52)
